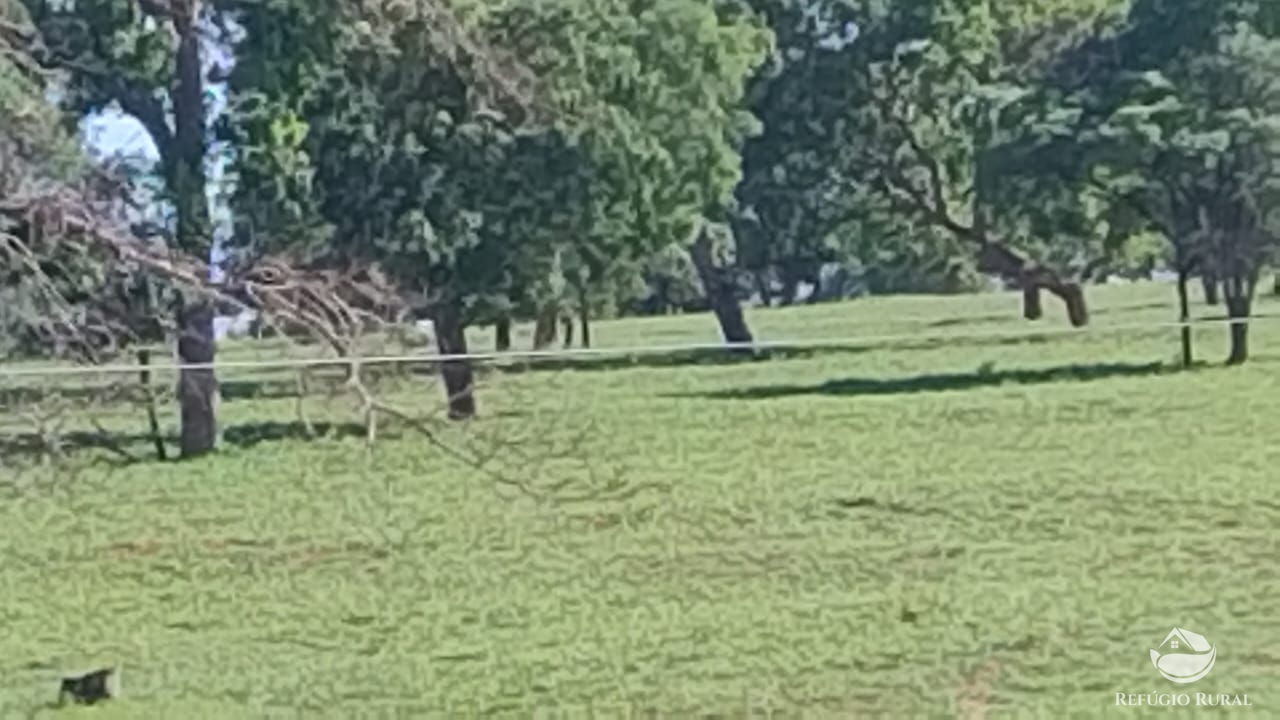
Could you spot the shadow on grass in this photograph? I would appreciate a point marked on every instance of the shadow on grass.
(232, 390)
(116, 448)
(123, 449)
(330, 379)
(701, 357)
(1004, 317)
(715, 356)
(13, 398)
(320, 381)
(249, 435)
(982, 377)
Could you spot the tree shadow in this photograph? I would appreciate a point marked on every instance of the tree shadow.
(982, 377)
(122, 448)
(1004, 317)
(234, 390)
(700, 357)
(12, 398)
(249, 435)
(970, 320)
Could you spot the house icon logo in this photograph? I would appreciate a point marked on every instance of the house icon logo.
(1184, 656)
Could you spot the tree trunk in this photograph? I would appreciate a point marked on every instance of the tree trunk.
(720, 295)
(148, 395)
(1237, 309)
(459, 381)
(502, 334)
(1072, 295)
(567, 321)
(789, 286)
(997, 259)
(1032, 307)
(197, 387)
(1238, 289)
(762, 287)
(1210, 283)
(815, 295)
(1275, 283)
(1184, 308)
(544, 328)
(584, 317)
(662, 296)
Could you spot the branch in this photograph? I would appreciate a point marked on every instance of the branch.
(930, 202)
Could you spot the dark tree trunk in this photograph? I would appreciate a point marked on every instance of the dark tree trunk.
(186, 178)
(815, 295)
(662, 297)
(544, 328)
(997, 259)
(502, 334)
(584, 316)
(720, 295)
(1209, 281)
(789, 285)
(1184, 311)
(762, 287)
(567, 321)
(1239, 299)
(148, 395)
(459, 381)
(197, 387)
(1032, 306)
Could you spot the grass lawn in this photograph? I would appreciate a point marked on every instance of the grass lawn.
(978, 526)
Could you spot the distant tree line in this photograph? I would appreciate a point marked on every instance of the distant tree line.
(567, 160)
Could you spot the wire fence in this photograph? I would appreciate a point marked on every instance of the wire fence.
(864, 341)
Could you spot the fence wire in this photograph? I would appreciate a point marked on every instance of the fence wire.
(886, 340)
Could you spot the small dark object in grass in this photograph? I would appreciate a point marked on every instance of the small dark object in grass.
(856, 502)
(89, 688)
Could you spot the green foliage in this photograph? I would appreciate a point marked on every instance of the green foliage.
(890, 130)
(387, 154)
(1180, 140)
(35, 143)
(792, 197)
(943, 89)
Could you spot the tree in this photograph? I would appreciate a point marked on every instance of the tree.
(792, 197)
(935, 86)
(387, 134)
(358, 135)
(1181, 136)
(146, 58)
(656, 98)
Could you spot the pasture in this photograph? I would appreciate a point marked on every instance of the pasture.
(973, 526)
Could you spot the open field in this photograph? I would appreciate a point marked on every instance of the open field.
(979, 527)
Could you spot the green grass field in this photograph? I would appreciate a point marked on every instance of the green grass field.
(972, 526)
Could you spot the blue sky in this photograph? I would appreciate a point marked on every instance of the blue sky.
(116, 134)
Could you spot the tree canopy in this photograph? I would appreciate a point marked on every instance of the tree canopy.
(517, 159)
